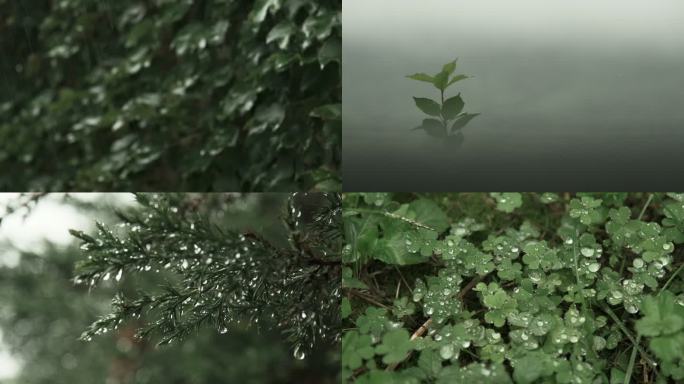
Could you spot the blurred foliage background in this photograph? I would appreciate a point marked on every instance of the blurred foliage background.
(43, 313)
(169, 95)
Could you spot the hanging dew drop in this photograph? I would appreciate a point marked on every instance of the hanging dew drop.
(298, 353)
(118, 275)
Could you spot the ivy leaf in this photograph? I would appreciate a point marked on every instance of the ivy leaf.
(262, 8)
(331, 51)
(395, 346)
(428, 106)
(281, 34)
(452, 107)
(328, 112)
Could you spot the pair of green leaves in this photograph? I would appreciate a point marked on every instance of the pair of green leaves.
(441, 80)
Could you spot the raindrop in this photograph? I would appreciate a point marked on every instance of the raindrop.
(447, 351)
(106, 276)
(223, 330)
(594, 267)
(631, 309)
(118, 275)
(298, 353)
(638, 263)
(588, 252)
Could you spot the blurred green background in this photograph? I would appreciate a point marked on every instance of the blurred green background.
(42, 313)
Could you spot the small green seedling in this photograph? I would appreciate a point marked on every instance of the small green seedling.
(446, 111)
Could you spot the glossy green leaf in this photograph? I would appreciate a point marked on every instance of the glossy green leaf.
(457, 78)
(449, 68)
(462, 121)
(428, 106)
(452, 107)
(422, 77)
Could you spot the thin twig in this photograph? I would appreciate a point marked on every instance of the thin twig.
(367, 298)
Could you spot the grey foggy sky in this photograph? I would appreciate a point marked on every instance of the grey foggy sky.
(654, 23)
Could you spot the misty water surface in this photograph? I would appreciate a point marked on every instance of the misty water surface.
(572, 96)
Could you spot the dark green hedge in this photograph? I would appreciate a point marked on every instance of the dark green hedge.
(170, 94)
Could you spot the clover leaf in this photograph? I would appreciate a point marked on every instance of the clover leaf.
(356, 348)
(394, 346)
(507, 201)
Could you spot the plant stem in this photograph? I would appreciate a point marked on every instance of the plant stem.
(444, 121)
(630, 367)
(624, 330)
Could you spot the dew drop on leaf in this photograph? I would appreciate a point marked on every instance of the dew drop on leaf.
(447, 351)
